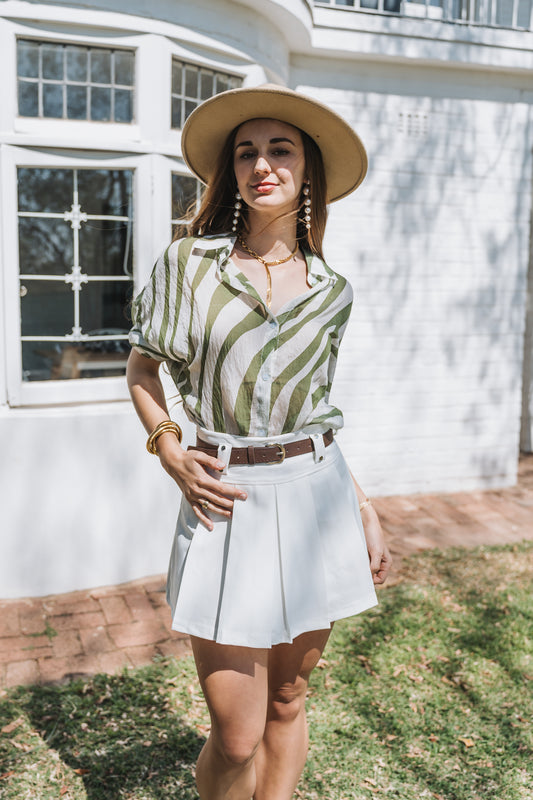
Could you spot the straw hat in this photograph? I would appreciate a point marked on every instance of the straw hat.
(209, 125)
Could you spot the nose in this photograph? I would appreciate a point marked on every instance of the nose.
(261, 166)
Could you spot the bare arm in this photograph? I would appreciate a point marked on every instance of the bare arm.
(378, 552)
(188, 468)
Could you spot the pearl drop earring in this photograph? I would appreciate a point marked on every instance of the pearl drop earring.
(307, 207)
(237, 211)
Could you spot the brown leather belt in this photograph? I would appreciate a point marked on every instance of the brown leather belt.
(274, 453)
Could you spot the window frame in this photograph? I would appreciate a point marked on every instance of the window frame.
(23, 393)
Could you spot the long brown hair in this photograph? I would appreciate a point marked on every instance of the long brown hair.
(215, 214)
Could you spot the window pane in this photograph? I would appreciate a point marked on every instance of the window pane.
(222, 83)
(45, 246)
(124, 62)
(100, 104)
(48, 190)
(177, 72)
(102, 307)
(191, 81)
(206, 85)
(101, 66)
(106, 248)
(189, 107)
(176, 113)
(105, 192)
(47, 308)
(123, 105)
(28, 99)
(52, 100)
(77, 62)
(52, 62)
(183, 194)
(76, 102)
(28, 59)
(56, 361)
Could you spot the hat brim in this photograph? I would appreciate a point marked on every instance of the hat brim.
(209, 125)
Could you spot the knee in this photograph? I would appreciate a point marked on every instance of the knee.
(287, 703)
(236, 751)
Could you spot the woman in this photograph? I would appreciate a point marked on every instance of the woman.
(269, 547)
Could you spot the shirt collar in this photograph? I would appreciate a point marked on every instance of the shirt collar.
(221, 247)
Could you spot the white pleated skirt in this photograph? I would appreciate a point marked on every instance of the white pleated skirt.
(291, 559)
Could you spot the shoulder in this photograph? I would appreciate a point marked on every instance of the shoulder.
(187, 250)
(320, 270)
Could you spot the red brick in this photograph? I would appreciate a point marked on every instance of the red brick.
(142, 655)
(115, 610)
(32, 620)
(113, 662)
(66, 643)
(65, 622)
(157, 599)
(137, 633)
(20, 648)
(62, 669)
(175, 647)
(61, 605)
(22, 673)
(96, 640)
(9, 620)
(140, 605)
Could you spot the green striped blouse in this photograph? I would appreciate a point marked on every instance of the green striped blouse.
(239, 368)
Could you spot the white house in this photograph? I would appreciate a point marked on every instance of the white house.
(436, 369)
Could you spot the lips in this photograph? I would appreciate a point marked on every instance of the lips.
(264, 186)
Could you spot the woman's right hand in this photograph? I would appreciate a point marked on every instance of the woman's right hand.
(189, 468)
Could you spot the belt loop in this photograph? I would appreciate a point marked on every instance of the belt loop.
(251, 454)
(224, 455)
(319, 447)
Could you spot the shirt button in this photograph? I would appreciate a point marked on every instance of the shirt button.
(265, 375)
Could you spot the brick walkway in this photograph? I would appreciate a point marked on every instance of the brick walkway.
(55, 638)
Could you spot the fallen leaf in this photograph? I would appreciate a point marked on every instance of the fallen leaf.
(371, 781)
(466, 742)
(433, 738)
(13, 725)
(63, 790)
(81, 771)
(7, 774)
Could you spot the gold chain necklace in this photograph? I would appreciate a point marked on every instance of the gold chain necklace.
(267, 264)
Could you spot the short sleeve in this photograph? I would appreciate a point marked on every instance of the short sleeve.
(161, 312)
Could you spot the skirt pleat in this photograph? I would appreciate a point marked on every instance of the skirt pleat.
(292, 559)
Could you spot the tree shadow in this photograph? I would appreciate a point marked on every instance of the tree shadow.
(121, 733)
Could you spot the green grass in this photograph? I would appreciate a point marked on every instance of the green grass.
(428, 696)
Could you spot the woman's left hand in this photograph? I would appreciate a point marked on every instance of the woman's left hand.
(378, 552)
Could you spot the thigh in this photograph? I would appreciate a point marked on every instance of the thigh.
(290, 665)
(234, 681)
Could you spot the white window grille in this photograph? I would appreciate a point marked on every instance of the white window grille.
(68, 81)
(76, 271)
(192, 84)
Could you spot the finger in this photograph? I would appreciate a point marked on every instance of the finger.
(202, 516)
(214, 504)
(207, 461)
(217, 490)
(376, 558)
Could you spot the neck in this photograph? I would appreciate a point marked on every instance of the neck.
(266, 235)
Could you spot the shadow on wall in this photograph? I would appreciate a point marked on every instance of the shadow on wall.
(442, 251)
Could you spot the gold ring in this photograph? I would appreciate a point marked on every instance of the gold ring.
(205, 504)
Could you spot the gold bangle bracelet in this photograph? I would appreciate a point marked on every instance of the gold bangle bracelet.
(366, 502)
(167, 426)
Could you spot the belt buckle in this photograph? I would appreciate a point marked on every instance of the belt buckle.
(281, 452)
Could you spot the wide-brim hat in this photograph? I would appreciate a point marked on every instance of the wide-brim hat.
(208, 127)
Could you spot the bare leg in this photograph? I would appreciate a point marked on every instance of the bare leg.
(235, 685)
(281, 755)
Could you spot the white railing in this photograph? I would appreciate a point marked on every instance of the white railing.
(515, 14)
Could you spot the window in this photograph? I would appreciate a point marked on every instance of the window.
(67, 81)
(76, 271)
(185, 195)
(192, 84)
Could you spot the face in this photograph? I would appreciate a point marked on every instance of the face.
(269, 165)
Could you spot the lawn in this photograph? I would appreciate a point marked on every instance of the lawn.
(428, 696)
